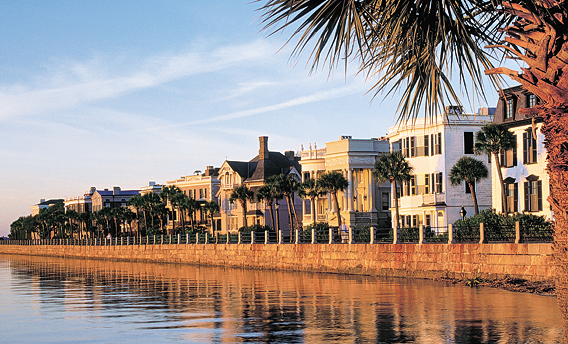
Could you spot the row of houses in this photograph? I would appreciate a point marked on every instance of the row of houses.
(431, 145)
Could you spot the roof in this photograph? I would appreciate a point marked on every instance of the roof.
(51, 201)
(277, 163)
(121, 193)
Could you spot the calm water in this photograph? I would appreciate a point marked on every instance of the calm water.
(51, 300)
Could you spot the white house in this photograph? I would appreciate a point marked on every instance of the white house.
(432, 147)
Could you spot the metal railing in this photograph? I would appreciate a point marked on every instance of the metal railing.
(422, 235)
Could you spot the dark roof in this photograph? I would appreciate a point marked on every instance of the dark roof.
(243, 168)
(121, 192)
(520, 95)
(277, 163)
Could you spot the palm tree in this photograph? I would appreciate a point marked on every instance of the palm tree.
(137, 202)
(210, 208)
(266, 194)
(492, 139)
(286, 185)
(333, 182)
(242, 194)
(310, 190)
(149, 201)
(394, 168)
(170, 195)
(415, 45)
(471, 171)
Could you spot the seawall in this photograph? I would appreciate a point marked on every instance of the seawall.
(533, 262)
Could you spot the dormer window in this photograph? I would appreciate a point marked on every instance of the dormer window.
(509, 108)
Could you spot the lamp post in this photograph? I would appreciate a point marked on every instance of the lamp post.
(463, 213)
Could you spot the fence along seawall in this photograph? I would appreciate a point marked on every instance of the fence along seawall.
(533, 262)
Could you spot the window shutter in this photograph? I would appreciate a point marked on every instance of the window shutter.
(525, 149)
(527, 196)
(539, 186)
(534, 155)
(433, 144)
(515, 152)
(516, 195)
(439, 143)
(502, 157)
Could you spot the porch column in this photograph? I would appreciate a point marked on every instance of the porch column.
(372, 189)
(349, 192)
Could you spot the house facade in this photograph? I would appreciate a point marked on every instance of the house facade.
(432, 147)
(114, 198)
(81, 204)
(254, 174)
(363, 202)
(202, 188)
(43, 204)
(524, 167)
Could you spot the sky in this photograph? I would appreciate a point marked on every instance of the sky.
(120, 93)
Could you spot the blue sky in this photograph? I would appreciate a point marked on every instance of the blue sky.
(106, 93)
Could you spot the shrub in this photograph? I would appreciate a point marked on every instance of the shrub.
(254, 228)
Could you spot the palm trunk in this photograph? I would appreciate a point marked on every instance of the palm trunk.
(395, 192)
(555, 129)
(290, 214)
(474, 197)
(501, 184)
(272, 215)
(244, 206)
(338, 212)
(313, 206)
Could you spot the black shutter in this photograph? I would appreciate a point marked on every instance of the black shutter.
(525, 149)
(527, 196)
(539, 187)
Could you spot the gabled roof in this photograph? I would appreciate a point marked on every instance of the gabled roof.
(277, 163)
(121, 193)
(243, 168)
(51, 202)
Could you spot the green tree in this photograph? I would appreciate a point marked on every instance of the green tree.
(286, 185)
(210, 208)
(242, 194)
(310, 190)
(171, 196)
(492, 139)
(150, 200)
(333, 182)
(137, 202)
(267, 194)
(393, 167)
(471, 171)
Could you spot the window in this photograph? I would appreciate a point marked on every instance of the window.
(437, 179)
(512, 196)
(385, 201)
(509, 108)
(412, 147)
(529, 148)
(533, 195)
(201, 193)
(397, 146)
(426, 184)
(414, 220)
(468, 142)
(413, 185)
(509, 158)
(532, 100)
(422, 148)
(427, 220)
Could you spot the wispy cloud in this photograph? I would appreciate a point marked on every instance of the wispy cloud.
(355, 87)
(81, 83)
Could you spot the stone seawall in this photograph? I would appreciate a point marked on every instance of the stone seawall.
(532, 262)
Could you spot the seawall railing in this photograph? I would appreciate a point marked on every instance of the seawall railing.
(481, 234)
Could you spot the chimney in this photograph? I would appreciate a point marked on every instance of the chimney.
(116, 190)
(263, 151)
(208, 171)
(92, 190)
(289, 155)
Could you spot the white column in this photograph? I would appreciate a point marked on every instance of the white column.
(349, 193)
(372, 189)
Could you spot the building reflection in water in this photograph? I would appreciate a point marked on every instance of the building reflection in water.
(215, 304)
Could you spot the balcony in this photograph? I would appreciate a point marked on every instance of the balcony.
(433, 199)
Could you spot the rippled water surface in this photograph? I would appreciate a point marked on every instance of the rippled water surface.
(52, 300)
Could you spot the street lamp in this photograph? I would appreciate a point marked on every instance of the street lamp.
(463, 213)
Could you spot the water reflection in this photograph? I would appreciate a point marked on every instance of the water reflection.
(68, 300)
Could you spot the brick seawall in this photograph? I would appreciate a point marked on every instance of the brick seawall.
(533, 262)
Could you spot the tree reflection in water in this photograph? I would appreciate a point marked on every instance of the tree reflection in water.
(109, 301)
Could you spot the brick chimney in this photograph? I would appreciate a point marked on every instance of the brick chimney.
(263, 152)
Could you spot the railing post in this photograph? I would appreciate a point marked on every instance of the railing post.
(196, 238)
(330, 235)
(421, 235)
(314, 239)
(372, 235)
(187, 238)
(395, 234)
(279, 237)
(179, 238)
(350, 235)
(266, 237)
(451, 239)
(252, 237)
(206, 238)
(228, 237)
(482, 234)
(239, 238)
(518, 237)
(297, 241)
